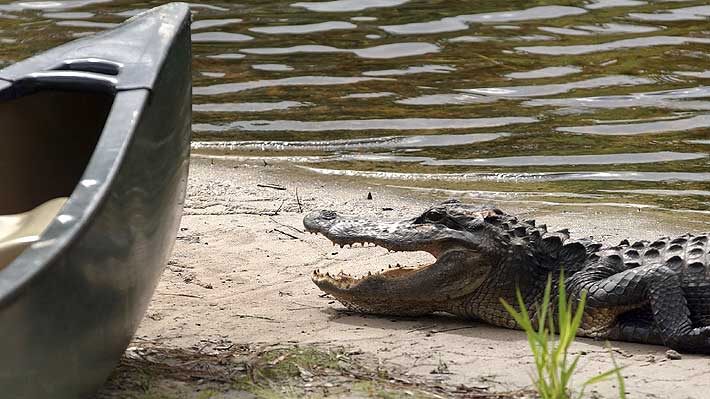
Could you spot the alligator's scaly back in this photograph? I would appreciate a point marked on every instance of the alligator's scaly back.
(651, 292)
(655, 292)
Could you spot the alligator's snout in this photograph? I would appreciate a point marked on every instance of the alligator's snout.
(319, 221)
(404, 235)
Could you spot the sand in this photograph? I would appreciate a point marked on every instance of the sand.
(241, 269)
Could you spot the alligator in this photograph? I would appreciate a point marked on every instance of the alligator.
(648, 292)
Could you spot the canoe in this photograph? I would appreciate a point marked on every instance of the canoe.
(103, 124)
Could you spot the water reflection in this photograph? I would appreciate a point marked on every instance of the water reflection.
(347, 5)
(615, 45)
(227, 56)
(556, 98)
(49, 5)
(549, 72)
(385, 51)
(596, 4)
(220, 37)
(438, 140)
(412, 70)
(362, 124)
(603, 29)
(698, 13)
(558, 88)
(677, 125)
(369, 95)
(446, 99)
(512, 177)
(301, 29)
(87, 24)
(213, 23)
(668, 99)
(272, 67)
(68, 15)
(701, 74)
(260, 84)
(248, 107)
(461, 22)
(537, 160)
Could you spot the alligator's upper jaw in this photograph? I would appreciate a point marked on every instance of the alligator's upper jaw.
(394, 236)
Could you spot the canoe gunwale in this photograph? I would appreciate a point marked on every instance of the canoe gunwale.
(63, 68)
(81, 81)
(134, 69)
(84, 201)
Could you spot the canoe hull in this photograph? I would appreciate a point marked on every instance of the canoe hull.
(64, 327)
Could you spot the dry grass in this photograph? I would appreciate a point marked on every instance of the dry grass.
(226, 370)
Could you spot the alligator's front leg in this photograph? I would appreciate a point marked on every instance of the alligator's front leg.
(658, 287)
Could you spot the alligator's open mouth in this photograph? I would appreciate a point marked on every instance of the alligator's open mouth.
(343, 281)
(454, 248)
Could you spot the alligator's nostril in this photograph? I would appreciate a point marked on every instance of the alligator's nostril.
(328, 215)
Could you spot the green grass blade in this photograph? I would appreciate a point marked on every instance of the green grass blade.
(553, 373)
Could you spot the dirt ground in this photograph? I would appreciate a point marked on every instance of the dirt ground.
(241, 266)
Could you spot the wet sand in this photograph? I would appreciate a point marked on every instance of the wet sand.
(241, 270)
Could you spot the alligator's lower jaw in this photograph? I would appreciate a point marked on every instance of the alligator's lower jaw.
(343, 281)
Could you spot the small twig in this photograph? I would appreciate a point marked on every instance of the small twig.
(303, 306)
(290, 227)
(298, 201)
(452, 329)
(421, 328)
(242, 316)
(185, 295)
(274, 186)
(276, 212)
(286, 234)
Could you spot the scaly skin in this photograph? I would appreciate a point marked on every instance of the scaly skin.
(649, 292)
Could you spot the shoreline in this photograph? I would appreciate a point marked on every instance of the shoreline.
(241, 269)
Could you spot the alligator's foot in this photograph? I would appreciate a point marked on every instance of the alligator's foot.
(462, 261)
(696, 341)
(634, 326)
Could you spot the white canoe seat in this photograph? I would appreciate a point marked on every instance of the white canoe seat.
(20, 230)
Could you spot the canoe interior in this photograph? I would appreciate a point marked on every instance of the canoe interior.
(47, 140)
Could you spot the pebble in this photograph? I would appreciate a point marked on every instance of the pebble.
(673, 355)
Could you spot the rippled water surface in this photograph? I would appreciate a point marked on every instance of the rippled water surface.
(600, 101)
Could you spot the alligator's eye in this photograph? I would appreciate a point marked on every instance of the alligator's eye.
(434, 215)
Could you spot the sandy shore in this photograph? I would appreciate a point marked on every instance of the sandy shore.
(241, 265)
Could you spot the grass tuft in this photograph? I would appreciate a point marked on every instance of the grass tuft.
(554, 368)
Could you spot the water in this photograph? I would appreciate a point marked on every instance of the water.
(600, 101)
